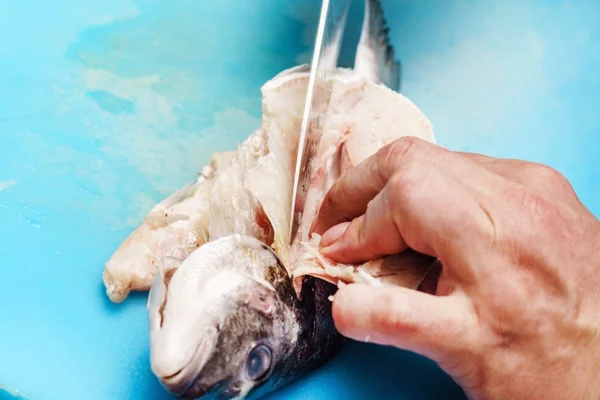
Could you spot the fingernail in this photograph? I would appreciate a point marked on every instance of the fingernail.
(333, 234)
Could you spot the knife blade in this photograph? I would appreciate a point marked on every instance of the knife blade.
(326, 50)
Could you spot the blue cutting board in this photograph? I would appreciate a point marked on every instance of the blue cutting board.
(106, 106)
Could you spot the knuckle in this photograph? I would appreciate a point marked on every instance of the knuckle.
(406, 180)
(395, 320)
(370, 226)
(548, 181)
(536, 204)
(547, 173)
(398, 151)
(544, 174)
(405, 147)
(532, 204)
(355, 233)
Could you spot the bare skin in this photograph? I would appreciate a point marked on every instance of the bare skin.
(515, 313)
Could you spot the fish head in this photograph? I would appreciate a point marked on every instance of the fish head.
(221, 322)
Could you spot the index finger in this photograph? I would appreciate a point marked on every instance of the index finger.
(349, 196)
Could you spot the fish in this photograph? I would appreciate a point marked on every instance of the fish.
(237, 308)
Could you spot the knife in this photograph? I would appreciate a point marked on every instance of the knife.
(326, 50)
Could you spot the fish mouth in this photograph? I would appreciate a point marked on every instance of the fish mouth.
(183, 383)
(178, 383)
(183, 386)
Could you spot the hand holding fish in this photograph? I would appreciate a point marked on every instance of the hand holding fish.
(239, 303)
(515, 313)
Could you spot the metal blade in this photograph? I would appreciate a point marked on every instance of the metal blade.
(325, 55)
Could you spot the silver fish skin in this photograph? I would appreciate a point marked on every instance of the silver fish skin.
(234, 319)
(254, 335)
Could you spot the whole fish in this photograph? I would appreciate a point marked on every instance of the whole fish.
(234, 310)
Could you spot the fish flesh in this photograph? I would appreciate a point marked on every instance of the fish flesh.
(234, 310)
(173, 228)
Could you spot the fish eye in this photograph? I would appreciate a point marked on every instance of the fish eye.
(258, 363)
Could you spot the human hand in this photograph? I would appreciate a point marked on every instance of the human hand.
(516, 310)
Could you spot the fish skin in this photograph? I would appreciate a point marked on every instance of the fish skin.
(208, 309)
(300, 334)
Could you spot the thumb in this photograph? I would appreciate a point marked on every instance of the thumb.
(440, 328)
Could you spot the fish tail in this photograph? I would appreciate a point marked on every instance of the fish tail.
(375, 54)
(330, 54)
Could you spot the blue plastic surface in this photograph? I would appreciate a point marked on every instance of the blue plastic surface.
(106, 106)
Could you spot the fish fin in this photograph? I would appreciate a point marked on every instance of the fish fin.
(166, 268)
(330, 54)
(375, 54)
